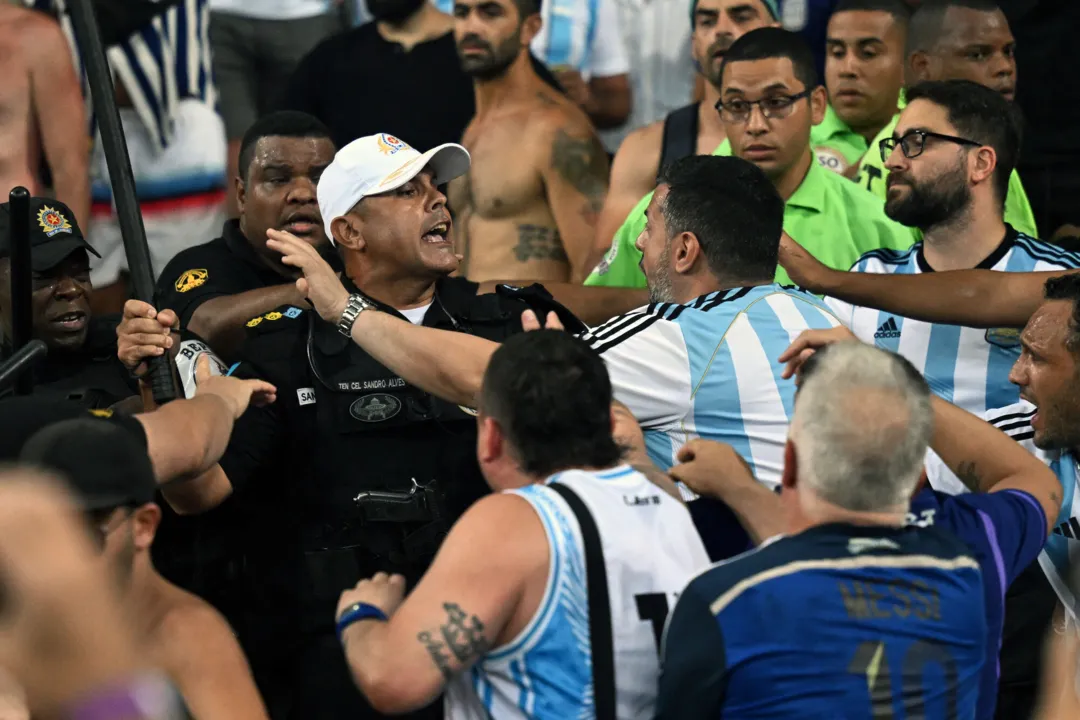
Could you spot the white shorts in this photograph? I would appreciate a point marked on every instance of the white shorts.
(181, 190)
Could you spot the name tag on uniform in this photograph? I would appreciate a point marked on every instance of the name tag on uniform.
(306, 396)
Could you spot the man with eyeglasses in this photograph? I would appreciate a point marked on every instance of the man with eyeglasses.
(949, 159)
(957, 40)
(113, 479)
(770, 98)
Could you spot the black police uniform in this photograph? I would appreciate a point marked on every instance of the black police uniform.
(309, 473)
(91, 376)
(224, 266)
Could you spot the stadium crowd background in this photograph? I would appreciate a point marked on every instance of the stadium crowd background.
(511, 336)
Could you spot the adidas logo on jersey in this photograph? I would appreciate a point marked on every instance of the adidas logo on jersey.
(888, 329)
(1070, 529)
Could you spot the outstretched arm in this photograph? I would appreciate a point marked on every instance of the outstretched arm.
(458, 611)
(974, 298)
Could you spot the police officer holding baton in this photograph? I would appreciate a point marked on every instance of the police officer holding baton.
(352, 471)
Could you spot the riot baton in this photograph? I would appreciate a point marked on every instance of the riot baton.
(22, 322)
(18, 366)
(102, 93)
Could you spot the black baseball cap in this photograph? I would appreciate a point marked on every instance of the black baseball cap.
(54, 233)
(103, 463)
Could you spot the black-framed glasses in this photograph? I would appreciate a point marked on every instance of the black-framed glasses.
(773, 107)
(913, 143)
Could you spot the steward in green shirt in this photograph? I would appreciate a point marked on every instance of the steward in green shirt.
(771, 97)
(836, 145)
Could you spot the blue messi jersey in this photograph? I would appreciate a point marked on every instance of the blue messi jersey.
(969, 367)
(839, 621)
(1005, 532)
(709, 369)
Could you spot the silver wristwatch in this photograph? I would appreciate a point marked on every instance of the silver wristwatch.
(356, 305)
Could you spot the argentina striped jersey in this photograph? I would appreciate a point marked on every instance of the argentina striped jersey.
(709, 369)
(969, 367)
(1064, 541)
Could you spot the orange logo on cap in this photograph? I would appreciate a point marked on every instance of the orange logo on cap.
(388, 144)
(52, 222)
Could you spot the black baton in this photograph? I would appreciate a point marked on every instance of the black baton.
(19, 365)
(123, 181)
(22, 322)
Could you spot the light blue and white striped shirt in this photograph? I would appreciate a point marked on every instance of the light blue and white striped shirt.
(1063, 544)
(651, 551)
(969, 367)
(709, 369)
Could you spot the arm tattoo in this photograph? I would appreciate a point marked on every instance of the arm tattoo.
(583, 163)
(969, 475)
(536, 242)
(460, 635)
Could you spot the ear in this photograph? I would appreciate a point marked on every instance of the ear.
(819, 101)
(685, 252)
(919, 66)
(489, 441)
(241, 193)
(530, 28)
(789, 476)
(145, 521)
(348, 231)
(981, 164)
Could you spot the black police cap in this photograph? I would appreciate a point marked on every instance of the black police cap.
(54, 233)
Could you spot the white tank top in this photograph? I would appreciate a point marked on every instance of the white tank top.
(651, 550)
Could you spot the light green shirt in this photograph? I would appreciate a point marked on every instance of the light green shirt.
(872, 174)
(836, 145)
(833, 218)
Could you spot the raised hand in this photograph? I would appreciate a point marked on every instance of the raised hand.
(144, 333)
(706, 466)
(809, 342)
(236, 392)
(319, 284)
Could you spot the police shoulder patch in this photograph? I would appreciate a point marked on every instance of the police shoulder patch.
(191, 279)
(269, 319)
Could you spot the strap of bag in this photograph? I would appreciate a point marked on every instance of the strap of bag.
(600, 634)
(680, 135)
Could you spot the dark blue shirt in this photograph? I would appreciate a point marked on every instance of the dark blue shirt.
(1005, 531)
(837, 621)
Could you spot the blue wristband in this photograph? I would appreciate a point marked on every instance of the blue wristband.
(355, 613)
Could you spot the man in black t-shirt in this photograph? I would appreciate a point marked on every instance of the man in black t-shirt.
(216, 287)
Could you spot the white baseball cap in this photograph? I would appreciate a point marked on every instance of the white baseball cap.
(379, 163)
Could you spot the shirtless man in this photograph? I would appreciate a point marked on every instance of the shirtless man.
(183, 637)
(41, 110)
(717, 24)
(527, 209)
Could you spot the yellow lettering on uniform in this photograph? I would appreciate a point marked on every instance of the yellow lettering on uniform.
(855, 603)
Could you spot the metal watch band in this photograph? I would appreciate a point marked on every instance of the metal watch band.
(356, 305)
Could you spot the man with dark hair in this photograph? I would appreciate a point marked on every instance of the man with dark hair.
(114, 483)
(957, 40)
(517, 561)
(864, 71)
(769, 100)
(525, 211)
(215, 288)
(691, 130)
(950, 157)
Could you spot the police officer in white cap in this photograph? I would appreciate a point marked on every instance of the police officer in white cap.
(352, 471)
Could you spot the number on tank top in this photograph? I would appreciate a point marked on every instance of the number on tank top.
(653, 608)
(871, 661)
